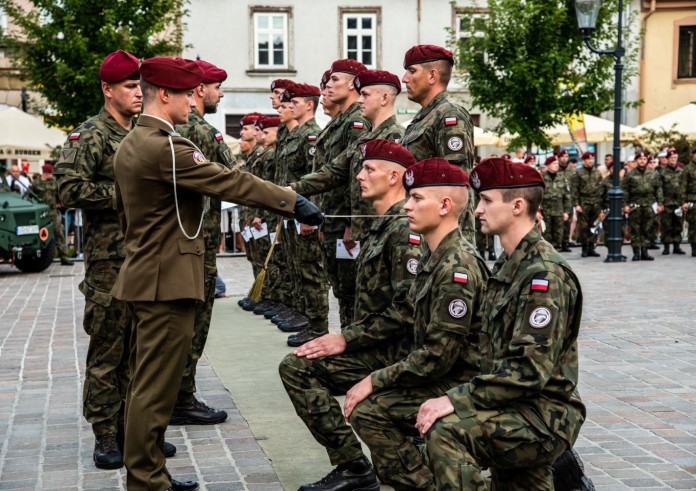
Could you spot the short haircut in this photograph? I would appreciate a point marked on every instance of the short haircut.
(458, 195)
(532, 196)
(149, 91)
(443, 67)
(315, 102)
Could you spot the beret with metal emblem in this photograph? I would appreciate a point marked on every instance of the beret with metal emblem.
(586, 155)
(381, 149)
(497, 173)
(304, 90)
(325, 79)
(435, 171)
(268, 122)
(562, 153)
(425, 53)
(641, 154)
(171, 73)
(376, 77)
(250, 118)
(281, 83)
(671, 152)
(211, 73)
(119, 65)
(347, 65)
(550, 160)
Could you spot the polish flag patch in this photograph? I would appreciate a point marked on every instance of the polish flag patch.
(312, 138)
(540, 285)
(461, 278)
(450, 121)
(413, 239)
(218, 136)
(74, 136)
(358, 125)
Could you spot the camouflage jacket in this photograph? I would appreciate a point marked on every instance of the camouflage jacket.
(247, 214)
(529, 350)
(688, 192)
(446, 295)
(642, 188)
(47, 191)
(556, 199)
(210, 142)
(85, 173)
(671, 181)
(385, 269)
(349, 126)
(266, 170)
(294, 157)
(586, 187)
(442, 129)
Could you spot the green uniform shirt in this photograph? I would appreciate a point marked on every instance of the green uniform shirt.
(688, 191)
(47, 191)
(586, 187)
(671, 181)
(295, 156)
(642, 188)
(556, 199)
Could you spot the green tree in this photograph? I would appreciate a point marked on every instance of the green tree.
(655, 140)
(526, 64)
(59, 45)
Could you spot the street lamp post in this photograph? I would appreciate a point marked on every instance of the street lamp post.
(587, 12)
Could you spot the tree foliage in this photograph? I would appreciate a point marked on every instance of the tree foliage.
(59, 45)
(657, 140)
(528, 65)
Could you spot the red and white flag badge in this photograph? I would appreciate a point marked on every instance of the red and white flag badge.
(74, 136)
(450, 121)
(312, 138)
(358, 125)
(461, 278)
(414, 239)
(218, 136)
(540, 285)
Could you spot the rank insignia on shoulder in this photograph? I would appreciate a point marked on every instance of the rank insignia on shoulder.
(218, 136)
(461, 278)
(539, 285)
(312, 138)
(358, 125)
(414, 239)
(450, 121)
(74, 136)
(198, 157)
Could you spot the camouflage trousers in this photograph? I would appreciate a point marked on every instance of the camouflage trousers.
(107, 321)
(385, 421)
(554, 230)
(312, 385)
(671, 225)
(642, 223)
(272, 281)
(341, 274)
(310, 282)
(519, 452)
(281, 261)
(467, 222)
(201, 325)
(61, 246)
(691, 221)
(585, 221)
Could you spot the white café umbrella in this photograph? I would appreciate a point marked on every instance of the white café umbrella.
(23, 136)
(683, 120)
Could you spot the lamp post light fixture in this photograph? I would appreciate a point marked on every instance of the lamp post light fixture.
(587, 12)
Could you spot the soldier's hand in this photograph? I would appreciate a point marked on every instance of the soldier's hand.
(326, 345)
(348, 240)
(626, 209)
(660, 208)
(432, 410)
(306, 230)
(307, 212)
(358, 393)
(565, 217)
(578, 209)
(685, 207)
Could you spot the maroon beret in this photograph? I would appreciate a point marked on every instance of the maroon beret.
(250, 118)
(529, 158)
(380, 149)
(424, 53)
(268, 122)
(281, 83)
(586, 155)
(286, 96)
(376, 77)
(551, 160)
(497, 173)
(671, 152)
(643, 153)
(47, 168)
(562, 153)
(435, 171)
(352, 67)
(118, 66)
(505, 156)
(304, 90)
(211, 73)
(172, 73)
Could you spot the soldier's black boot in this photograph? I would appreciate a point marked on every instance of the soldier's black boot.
(107, 455)
(693, 250)
(591, 252)
(565, 247)
(636, 254)
(666, 251)
(644, 256)
(196, 413)
(182, 485)
(356, 475)
(678, 249)
(585, 248)
(66, 261)
(569, 473)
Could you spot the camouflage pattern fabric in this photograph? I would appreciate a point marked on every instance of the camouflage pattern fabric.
(567, 174)
(555, 203)
(85, 174)
(671, 224)
(246, 214)
(210, 142)
(444, 129)
(447, 295)
(688, 193)
(523, 410)
(587, 191)
(642, 189)
(48, 192)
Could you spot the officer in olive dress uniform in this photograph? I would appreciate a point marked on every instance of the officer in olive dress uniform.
(523, 410)
(159, 180)
(47, 189)
(380, 335)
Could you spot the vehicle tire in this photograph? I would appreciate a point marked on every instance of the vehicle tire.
(33, 264)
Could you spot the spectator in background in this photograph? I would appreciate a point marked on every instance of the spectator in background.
(17, 180)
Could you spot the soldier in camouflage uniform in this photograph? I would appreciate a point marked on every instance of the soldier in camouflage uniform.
(47, 189)
(447, 295)
(641, 189)
(586, 193)
(189, 410)
(336, 137)
(523, 410)
(555, 204)
(671, 177)
(688, 194)
(566, 173)
(441, 128)
(380, 335)
(86, 180)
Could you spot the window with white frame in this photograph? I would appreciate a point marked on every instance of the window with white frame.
(360, 37)
(271, 40)
(469, 24)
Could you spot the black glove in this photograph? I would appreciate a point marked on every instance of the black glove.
(307, 212)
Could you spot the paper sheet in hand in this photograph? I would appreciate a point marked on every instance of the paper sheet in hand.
(342, 252)
(260, 233)
(246, 234)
